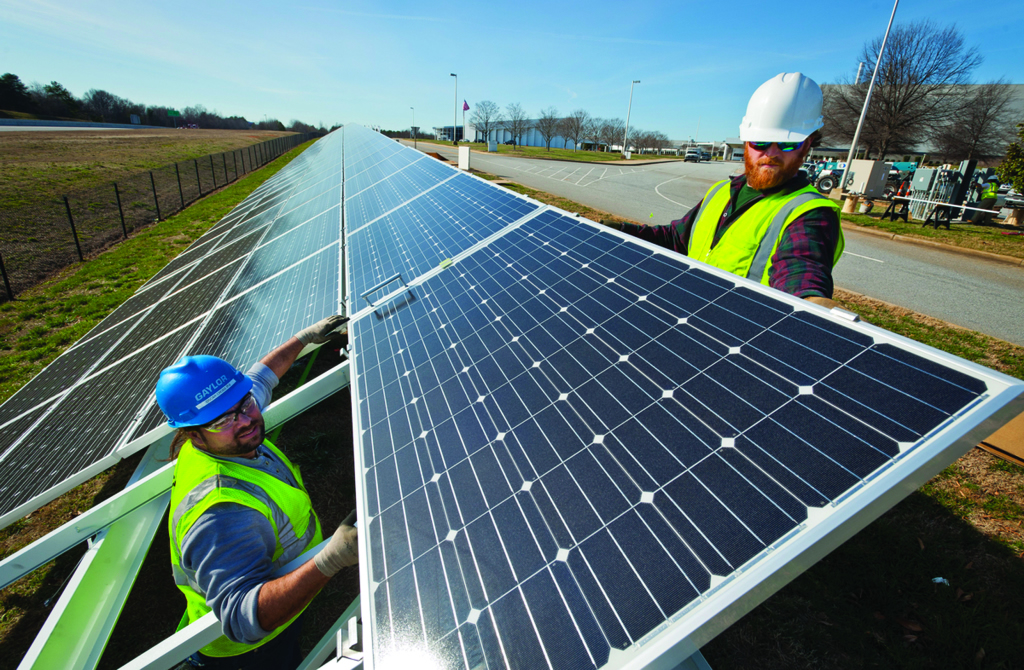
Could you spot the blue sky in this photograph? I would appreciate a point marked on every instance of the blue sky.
(368, 62)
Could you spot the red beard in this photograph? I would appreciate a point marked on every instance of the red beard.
(762, 178)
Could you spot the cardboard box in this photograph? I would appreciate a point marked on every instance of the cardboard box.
(1007, 442)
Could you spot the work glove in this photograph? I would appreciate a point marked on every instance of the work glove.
(322, 330)
(341, 551)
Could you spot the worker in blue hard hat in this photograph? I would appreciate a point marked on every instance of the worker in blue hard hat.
(239, 509)
(769, 224)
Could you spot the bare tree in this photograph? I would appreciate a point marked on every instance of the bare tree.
(982, 127)
(659, 140)
(573, 126)
(612, 131)
(592, 131)
(516, 121)
(636, 139)
(101, 104)
(548, 125)
(486, 117)
(919, 87)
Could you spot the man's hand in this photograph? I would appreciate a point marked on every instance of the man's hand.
(321, 331)
(342, 551)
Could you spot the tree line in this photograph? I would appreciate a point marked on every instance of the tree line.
(924, 94)
(54, 101)
(578, 126)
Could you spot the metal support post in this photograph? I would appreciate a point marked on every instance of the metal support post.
(213, 172)
(155, 201)
(234, 161)
(199, 184)
(7, 282)
(74, 232)
(181, 194)
(224, 159)
(120, 211)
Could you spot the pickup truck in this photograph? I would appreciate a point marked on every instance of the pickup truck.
(696, 156)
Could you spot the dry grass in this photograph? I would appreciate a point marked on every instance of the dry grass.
(35, 165)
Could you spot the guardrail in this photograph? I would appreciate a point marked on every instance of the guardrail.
(42, 237)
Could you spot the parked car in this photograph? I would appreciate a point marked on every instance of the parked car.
(693, 156)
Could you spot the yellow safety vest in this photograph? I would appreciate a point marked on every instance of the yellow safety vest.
(747, 247)
(991, 191)
(201, 481)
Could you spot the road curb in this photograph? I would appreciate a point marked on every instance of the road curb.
(563, 160)
(1000, 258)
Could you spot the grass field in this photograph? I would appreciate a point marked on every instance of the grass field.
(871, 603)
(37, 165)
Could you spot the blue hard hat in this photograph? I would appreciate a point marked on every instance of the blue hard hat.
(197, 389)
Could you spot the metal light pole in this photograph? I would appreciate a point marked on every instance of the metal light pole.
(413, 127)
(455, 118)
(867, 98)
(628, 110)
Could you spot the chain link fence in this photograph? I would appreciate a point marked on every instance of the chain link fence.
(38, 239)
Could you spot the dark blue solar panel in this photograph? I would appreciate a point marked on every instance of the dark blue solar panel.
(432, 228)
(594, 432)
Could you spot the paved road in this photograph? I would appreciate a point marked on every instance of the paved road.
(973, 292)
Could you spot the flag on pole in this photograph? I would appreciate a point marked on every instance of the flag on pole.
(465, 106)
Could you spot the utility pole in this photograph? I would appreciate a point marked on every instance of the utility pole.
(628, 110)
(867, 99)
(455, 118)
(413, 127)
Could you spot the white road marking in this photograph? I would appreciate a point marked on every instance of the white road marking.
(665, 196)
(869, 258)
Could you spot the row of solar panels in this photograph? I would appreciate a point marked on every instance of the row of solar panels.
(267, 269)
(579, 450)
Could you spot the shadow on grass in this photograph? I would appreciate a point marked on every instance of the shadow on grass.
(872, 602)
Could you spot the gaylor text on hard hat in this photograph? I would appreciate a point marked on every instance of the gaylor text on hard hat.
(198, 389)
(786, 108)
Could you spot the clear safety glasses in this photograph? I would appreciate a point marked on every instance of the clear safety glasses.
(227, 420)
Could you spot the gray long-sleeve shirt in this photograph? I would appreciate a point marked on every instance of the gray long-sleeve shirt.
(231, 547)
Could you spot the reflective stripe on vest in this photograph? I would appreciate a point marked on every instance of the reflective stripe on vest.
(201, 481)
(748, 245)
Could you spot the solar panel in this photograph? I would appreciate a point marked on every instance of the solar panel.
(269, 268)
(580, 450)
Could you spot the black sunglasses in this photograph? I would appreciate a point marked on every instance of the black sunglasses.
(783, 146)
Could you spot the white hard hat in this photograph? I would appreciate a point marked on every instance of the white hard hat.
(786, 108)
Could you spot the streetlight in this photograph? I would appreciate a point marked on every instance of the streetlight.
(413, 127)
(455, 119)
(867, 101)
(628, 110)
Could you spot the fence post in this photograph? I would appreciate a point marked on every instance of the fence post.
(213, 172)
(74, 233)
(248, 150)
(117, 194)
(234, 159)
(155, 201)
(7, 282)
(181, 194)
(199, 184)
(224, 159)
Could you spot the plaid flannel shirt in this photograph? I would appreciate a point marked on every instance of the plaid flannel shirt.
(802, 263)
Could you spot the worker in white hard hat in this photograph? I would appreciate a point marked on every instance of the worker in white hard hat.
(239, 510)
(769, 224)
